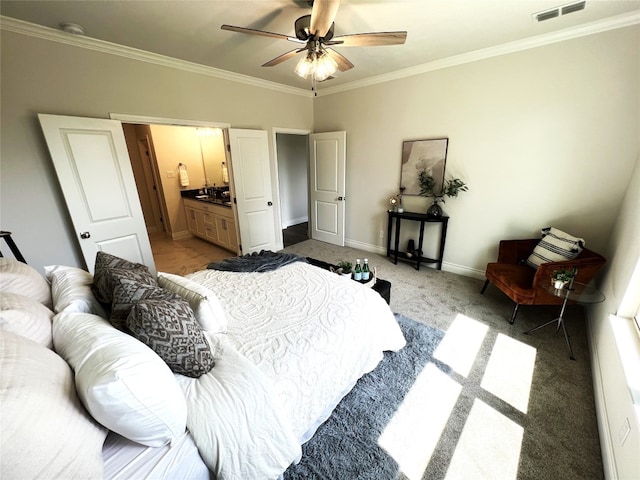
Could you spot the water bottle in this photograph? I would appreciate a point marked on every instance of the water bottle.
(365, 270)
(357, 272)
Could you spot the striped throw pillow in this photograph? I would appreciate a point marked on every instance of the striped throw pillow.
(555, 246)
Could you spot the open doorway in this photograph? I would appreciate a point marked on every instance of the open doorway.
(293, 174)
(156, 153)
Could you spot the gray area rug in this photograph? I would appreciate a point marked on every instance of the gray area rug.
(346, 447)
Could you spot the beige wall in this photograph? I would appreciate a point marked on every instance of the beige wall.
(173, 146)
(41, 76)
(543, 137)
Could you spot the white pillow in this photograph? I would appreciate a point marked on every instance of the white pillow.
(71, 290)
(26, 317)
(20, 278)
(555, 246)
(122, 382)
(203, 301)
(46, 433)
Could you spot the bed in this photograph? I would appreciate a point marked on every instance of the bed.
(284, 345)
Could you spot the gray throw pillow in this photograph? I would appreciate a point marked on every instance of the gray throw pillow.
(130, 287)
(107, 268)
(171, 330)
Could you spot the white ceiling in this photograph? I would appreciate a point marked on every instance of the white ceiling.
(190, 30)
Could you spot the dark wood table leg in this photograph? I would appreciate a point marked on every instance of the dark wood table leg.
(443, 238)
(397, 243)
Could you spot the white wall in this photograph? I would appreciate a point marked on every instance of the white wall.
(42, 76)
(543, 137)
(615, 343)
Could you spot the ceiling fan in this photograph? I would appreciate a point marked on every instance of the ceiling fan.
(315, 32)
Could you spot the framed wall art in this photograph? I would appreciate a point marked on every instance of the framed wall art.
(418, 155)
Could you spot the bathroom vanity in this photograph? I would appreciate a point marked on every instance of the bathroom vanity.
(212, 219)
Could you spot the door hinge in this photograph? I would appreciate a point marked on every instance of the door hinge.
(228, 147)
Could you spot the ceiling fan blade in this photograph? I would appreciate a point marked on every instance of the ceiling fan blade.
(263, 33)
(323, 14)
(370, 39)
(343, 63)
(285, 56)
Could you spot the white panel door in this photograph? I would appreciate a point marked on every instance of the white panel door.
(328, 153)
(252, 183)
(92, 163)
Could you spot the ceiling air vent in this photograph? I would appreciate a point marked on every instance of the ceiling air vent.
(561, 10)
(547, 15)
(573, 7)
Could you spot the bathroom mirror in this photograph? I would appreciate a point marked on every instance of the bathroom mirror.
(213, 156)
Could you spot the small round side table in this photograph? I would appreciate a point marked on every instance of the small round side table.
(578, 293)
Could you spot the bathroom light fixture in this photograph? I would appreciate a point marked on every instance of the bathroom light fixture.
(208, 132)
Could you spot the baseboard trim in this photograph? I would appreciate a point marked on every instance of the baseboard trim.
(446, 266)
(367, 247)
(181, 235)
(462, 270)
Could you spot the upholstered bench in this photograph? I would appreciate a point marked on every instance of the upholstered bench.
(383, 287)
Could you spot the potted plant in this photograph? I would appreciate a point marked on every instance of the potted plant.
(451, 188)
(561, 277)
(345, 268)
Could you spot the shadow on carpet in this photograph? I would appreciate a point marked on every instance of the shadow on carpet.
(345, 447)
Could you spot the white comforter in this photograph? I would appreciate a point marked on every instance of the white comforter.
(310, 333)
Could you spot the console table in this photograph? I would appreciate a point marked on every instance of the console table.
(423, 218)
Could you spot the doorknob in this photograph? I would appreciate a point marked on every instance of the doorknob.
(270, 203)
(341, 198)
(85, 235)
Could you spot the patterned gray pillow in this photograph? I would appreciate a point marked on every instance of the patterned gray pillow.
(130, 288)
(171, 330)
(107, 267)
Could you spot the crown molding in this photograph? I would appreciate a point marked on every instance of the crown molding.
(51, 34)
(611, 23)
(46, 33)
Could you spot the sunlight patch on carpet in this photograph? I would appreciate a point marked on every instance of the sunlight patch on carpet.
(461, 344)
(415, 429)
(489, 446)
(509, 372)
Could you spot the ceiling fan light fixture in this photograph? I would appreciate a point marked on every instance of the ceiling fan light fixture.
(306, 66)
(325, 66)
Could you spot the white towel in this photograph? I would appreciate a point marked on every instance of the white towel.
(184, 176)
(225, 174)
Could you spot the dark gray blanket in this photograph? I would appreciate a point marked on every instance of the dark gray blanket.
(264, 261)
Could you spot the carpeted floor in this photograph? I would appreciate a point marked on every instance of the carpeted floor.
(514, 405)
(347, 446)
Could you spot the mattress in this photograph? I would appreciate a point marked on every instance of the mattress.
(124, 460)
(311, 332)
